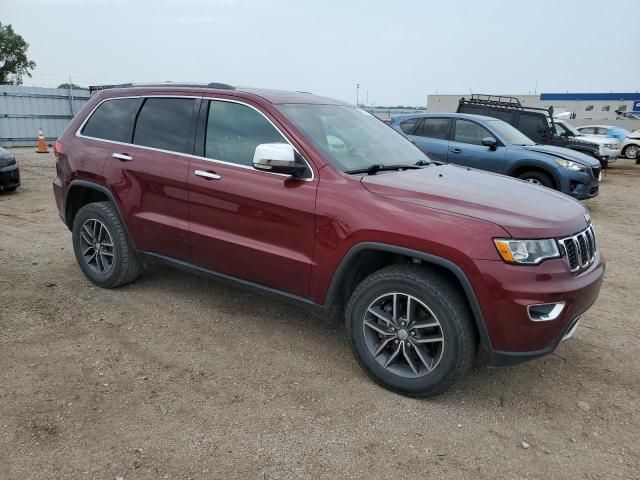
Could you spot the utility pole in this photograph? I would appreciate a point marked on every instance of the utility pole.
(367, 103)
(357, 94)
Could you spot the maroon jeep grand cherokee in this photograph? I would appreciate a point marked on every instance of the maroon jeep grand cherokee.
(321, 204)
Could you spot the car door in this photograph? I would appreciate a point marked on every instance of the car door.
(149, 175)
(432, 136)
(466, 148)
(249, 224)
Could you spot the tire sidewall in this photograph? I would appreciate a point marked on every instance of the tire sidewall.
(452, 348)
(90, 212)
(627, 148)
(541, 177)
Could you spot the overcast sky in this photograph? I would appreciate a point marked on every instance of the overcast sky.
(398, 51)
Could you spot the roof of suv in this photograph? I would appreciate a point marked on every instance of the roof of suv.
(272, 96)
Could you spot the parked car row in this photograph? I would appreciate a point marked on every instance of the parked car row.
(630, 147)
(318, 203)
(491, 144)
(540, 125)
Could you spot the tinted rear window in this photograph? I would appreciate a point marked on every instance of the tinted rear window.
(434, 128)
(408, 125)
(166, 123)
(112, 120)
(532, 125)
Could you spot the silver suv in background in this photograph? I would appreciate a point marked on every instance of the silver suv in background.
(609, 148)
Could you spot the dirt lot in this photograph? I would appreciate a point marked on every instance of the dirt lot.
(180, 377)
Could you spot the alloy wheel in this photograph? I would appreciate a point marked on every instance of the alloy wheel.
(631, 152)
(403, 335)
(535, 181)
(96, 246)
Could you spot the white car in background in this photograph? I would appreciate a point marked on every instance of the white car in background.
(630, 140)
(609, 148)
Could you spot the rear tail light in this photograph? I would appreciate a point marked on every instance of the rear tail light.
(57, 149)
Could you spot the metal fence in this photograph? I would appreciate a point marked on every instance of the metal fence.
(25, 110)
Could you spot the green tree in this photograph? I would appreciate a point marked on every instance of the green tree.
(14, 63)
(73, 86)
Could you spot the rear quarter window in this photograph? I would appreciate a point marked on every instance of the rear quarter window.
(112, 120)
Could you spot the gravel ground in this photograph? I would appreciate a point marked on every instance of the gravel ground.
(180, 377)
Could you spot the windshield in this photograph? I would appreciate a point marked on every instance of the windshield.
(509, 133)
(570, 128)
(351, 138)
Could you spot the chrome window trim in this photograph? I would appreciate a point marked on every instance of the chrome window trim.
(197, 157)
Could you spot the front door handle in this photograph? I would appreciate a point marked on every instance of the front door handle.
(207, 175)
(455, 150)
(122, 156)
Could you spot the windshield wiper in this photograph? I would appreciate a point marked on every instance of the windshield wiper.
(379, 167)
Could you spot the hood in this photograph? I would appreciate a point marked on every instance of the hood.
(522, 209)
(600, 140)
(566, 153)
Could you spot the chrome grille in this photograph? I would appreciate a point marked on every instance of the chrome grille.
(580, 249)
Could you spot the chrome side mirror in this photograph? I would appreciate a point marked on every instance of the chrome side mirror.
(278, 158)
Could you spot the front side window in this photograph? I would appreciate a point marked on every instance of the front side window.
(112, 120)
(470, 132)
(587, 130)
(533, 125)
(235, 130)
(167, 124)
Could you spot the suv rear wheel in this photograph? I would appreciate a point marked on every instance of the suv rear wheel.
(410, 330)
(102, 248)
(537, 178)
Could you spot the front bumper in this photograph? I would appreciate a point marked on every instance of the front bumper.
(581, 185)
(509, 289)
(9, 177)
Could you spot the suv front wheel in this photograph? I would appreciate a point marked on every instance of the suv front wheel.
(411, 330)
(102, 248)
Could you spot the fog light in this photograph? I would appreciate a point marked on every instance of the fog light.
(544, 312)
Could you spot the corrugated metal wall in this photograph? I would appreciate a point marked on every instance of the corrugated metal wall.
(25, 110)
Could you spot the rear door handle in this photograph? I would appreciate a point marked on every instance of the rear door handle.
(207, 175)
(455, 150)
(122, 156)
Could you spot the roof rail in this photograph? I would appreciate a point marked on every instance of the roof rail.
(219, 86)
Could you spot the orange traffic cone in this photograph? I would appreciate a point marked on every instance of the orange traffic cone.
(42, 144)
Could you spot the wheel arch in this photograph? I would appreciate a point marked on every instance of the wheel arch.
(528, 166)
(83, 192)
(367, 257)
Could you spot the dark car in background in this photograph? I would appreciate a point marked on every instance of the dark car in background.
(9, 171)
(490, 144)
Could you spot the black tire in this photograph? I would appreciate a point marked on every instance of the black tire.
(634, 152)
(536, 177)
(11, 189)
(445, 302)
(125, 266)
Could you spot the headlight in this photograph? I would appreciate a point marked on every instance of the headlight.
(529, 252)
(610, 145)
(575, 166)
